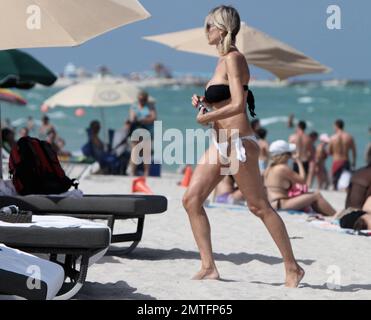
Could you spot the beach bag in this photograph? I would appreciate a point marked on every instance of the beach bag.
(35, 169)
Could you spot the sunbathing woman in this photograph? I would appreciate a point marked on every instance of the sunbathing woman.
(279, 178)
(226, 95)
(357, 213)
(226, 192)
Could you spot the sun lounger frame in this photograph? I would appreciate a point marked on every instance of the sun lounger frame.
(71, 257)
(134, 238)
(78, 277)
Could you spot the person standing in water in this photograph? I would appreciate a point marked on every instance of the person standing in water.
(320, 161)
(303, 147)
(341, 144)
(226, 95)
(142, 115)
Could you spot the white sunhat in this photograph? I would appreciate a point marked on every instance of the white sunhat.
(280, 147)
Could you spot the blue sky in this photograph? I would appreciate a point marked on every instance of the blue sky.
(300, 23)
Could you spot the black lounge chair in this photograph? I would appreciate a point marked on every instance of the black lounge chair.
(19, 276)
(109, 207)
(73, 243)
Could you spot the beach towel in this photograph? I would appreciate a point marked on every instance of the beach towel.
(227, 206)
(243, 207)
(334, 226)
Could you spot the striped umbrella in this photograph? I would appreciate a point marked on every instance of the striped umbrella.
(12, 97)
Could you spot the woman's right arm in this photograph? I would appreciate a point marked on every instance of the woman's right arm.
(293, 176)
(196, 98)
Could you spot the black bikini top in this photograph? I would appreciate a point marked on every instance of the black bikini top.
(219, 92)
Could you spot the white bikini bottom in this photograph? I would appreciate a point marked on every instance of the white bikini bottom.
(237, 143)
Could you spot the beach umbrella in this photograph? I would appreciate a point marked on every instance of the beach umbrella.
(98, 93)
(259, 49)
(46, 23)
(20, 70)
(12, 97)
(57, 23)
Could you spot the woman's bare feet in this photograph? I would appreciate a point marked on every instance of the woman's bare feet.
(207, 274)
(294, 276)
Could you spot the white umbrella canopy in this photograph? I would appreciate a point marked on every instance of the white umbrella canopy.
(259, 49)
(98, 93)
(95, 94)
(57, 23)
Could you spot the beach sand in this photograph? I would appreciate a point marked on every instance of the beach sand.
(248, 260)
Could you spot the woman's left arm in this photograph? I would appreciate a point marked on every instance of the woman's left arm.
(235, 65)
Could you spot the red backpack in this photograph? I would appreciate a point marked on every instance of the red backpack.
(35, 169)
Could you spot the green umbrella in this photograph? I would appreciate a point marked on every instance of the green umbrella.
(20, 70)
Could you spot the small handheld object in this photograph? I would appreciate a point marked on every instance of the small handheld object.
(10, 210)
(201, 105)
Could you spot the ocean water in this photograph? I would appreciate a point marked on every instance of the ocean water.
(318, 105)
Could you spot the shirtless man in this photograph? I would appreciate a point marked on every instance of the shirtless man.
(46, 126)
(341, 143)
(312, 163)
(320, 162)
(304, 147)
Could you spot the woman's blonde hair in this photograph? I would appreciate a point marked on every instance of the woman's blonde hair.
(227, 19)
(279, 159)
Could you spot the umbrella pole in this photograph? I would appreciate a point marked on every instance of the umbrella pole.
(103, 125)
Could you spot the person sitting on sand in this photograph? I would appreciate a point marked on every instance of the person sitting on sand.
(357, 212)
(61, 143)
(280, 178)
(360, 186)
(356, 219)
(227, 192)
(96, 150)
(341, 143)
